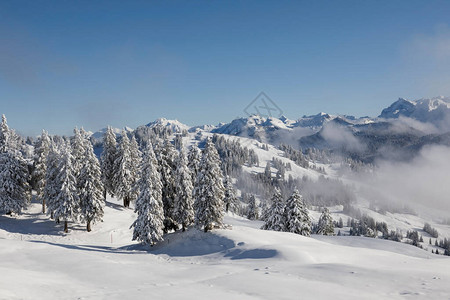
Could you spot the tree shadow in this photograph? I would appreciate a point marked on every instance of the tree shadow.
(251, 254)
(115, 206)
(96, 248)
(29, 223)
(192, 242)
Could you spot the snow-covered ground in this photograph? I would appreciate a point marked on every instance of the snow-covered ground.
(37, 261)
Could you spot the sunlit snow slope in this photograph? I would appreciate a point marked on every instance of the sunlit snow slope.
(37, 261)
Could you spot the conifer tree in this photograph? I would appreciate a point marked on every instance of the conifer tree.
(194, 157)
(78, 146)
(166, 158)
(4, 135)
(15, 192)
(123, 178)
(209, 190)
(230, 198)
(154, 174)
(268, 171)
(90, 189)
(52, 186)
(325, 225)
(276, 219)
(296, 213)
(136, 157)
(252, 209)
(148, 227)
(41, 151)
(66, 202)
(184, 203)
(108, 157)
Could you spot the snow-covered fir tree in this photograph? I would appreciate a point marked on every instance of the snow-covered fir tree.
(296, 214)
(230, 199)
(268, 171)
(275, 219)
(66, 203)
(209, 190)
(136, 157)
(148, 227)
(155, 175)
(325, 225)
(252, 209)
(166, 158)
(90, 189)
(41, 150)
(9, 139)
(78, 145)
(52, 186)
(194, 157)
(4, 135)
(184, 203)
(123, 178)
(15, 191)
(107, 159)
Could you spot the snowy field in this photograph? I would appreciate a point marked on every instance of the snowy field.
(37, 261)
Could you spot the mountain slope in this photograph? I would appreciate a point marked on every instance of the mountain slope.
(244, 262)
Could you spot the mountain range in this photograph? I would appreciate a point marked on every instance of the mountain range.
(404, 126)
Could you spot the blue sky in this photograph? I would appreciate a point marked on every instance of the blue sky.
(94, 63)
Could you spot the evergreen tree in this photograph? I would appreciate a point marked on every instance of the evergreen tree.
(184, 203)
(66, 202)
(123, 178)
(276, 219)
(230, 199)
(4, 135)
(296, 213)
(42, 150)
(108, 157)
(340, 223)
(15, 192)
(52, 186)
(90, 189)
(148, 227)
(78, 146)
(209, 190)
(194, 158)
(154, 174)
(268, 171)
(252, 209)
(166, 158)
(136, 162)
(325, 225)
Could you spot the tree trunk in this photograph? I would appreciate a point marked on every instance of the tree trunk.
(51, 215)
(66, 227)
(88, 226)
(104, 194)
(126, 202)
(43, 206)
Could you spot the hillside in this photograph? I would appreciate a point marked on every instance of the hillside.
(243, 262)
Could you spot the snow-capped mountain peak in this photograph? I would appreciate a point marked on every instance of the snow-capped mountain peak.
(428, 110)
(117, 131)
(174, 125)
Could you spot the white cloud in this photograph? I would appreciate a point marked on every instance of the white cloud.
(341, 137)
(425, 180)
